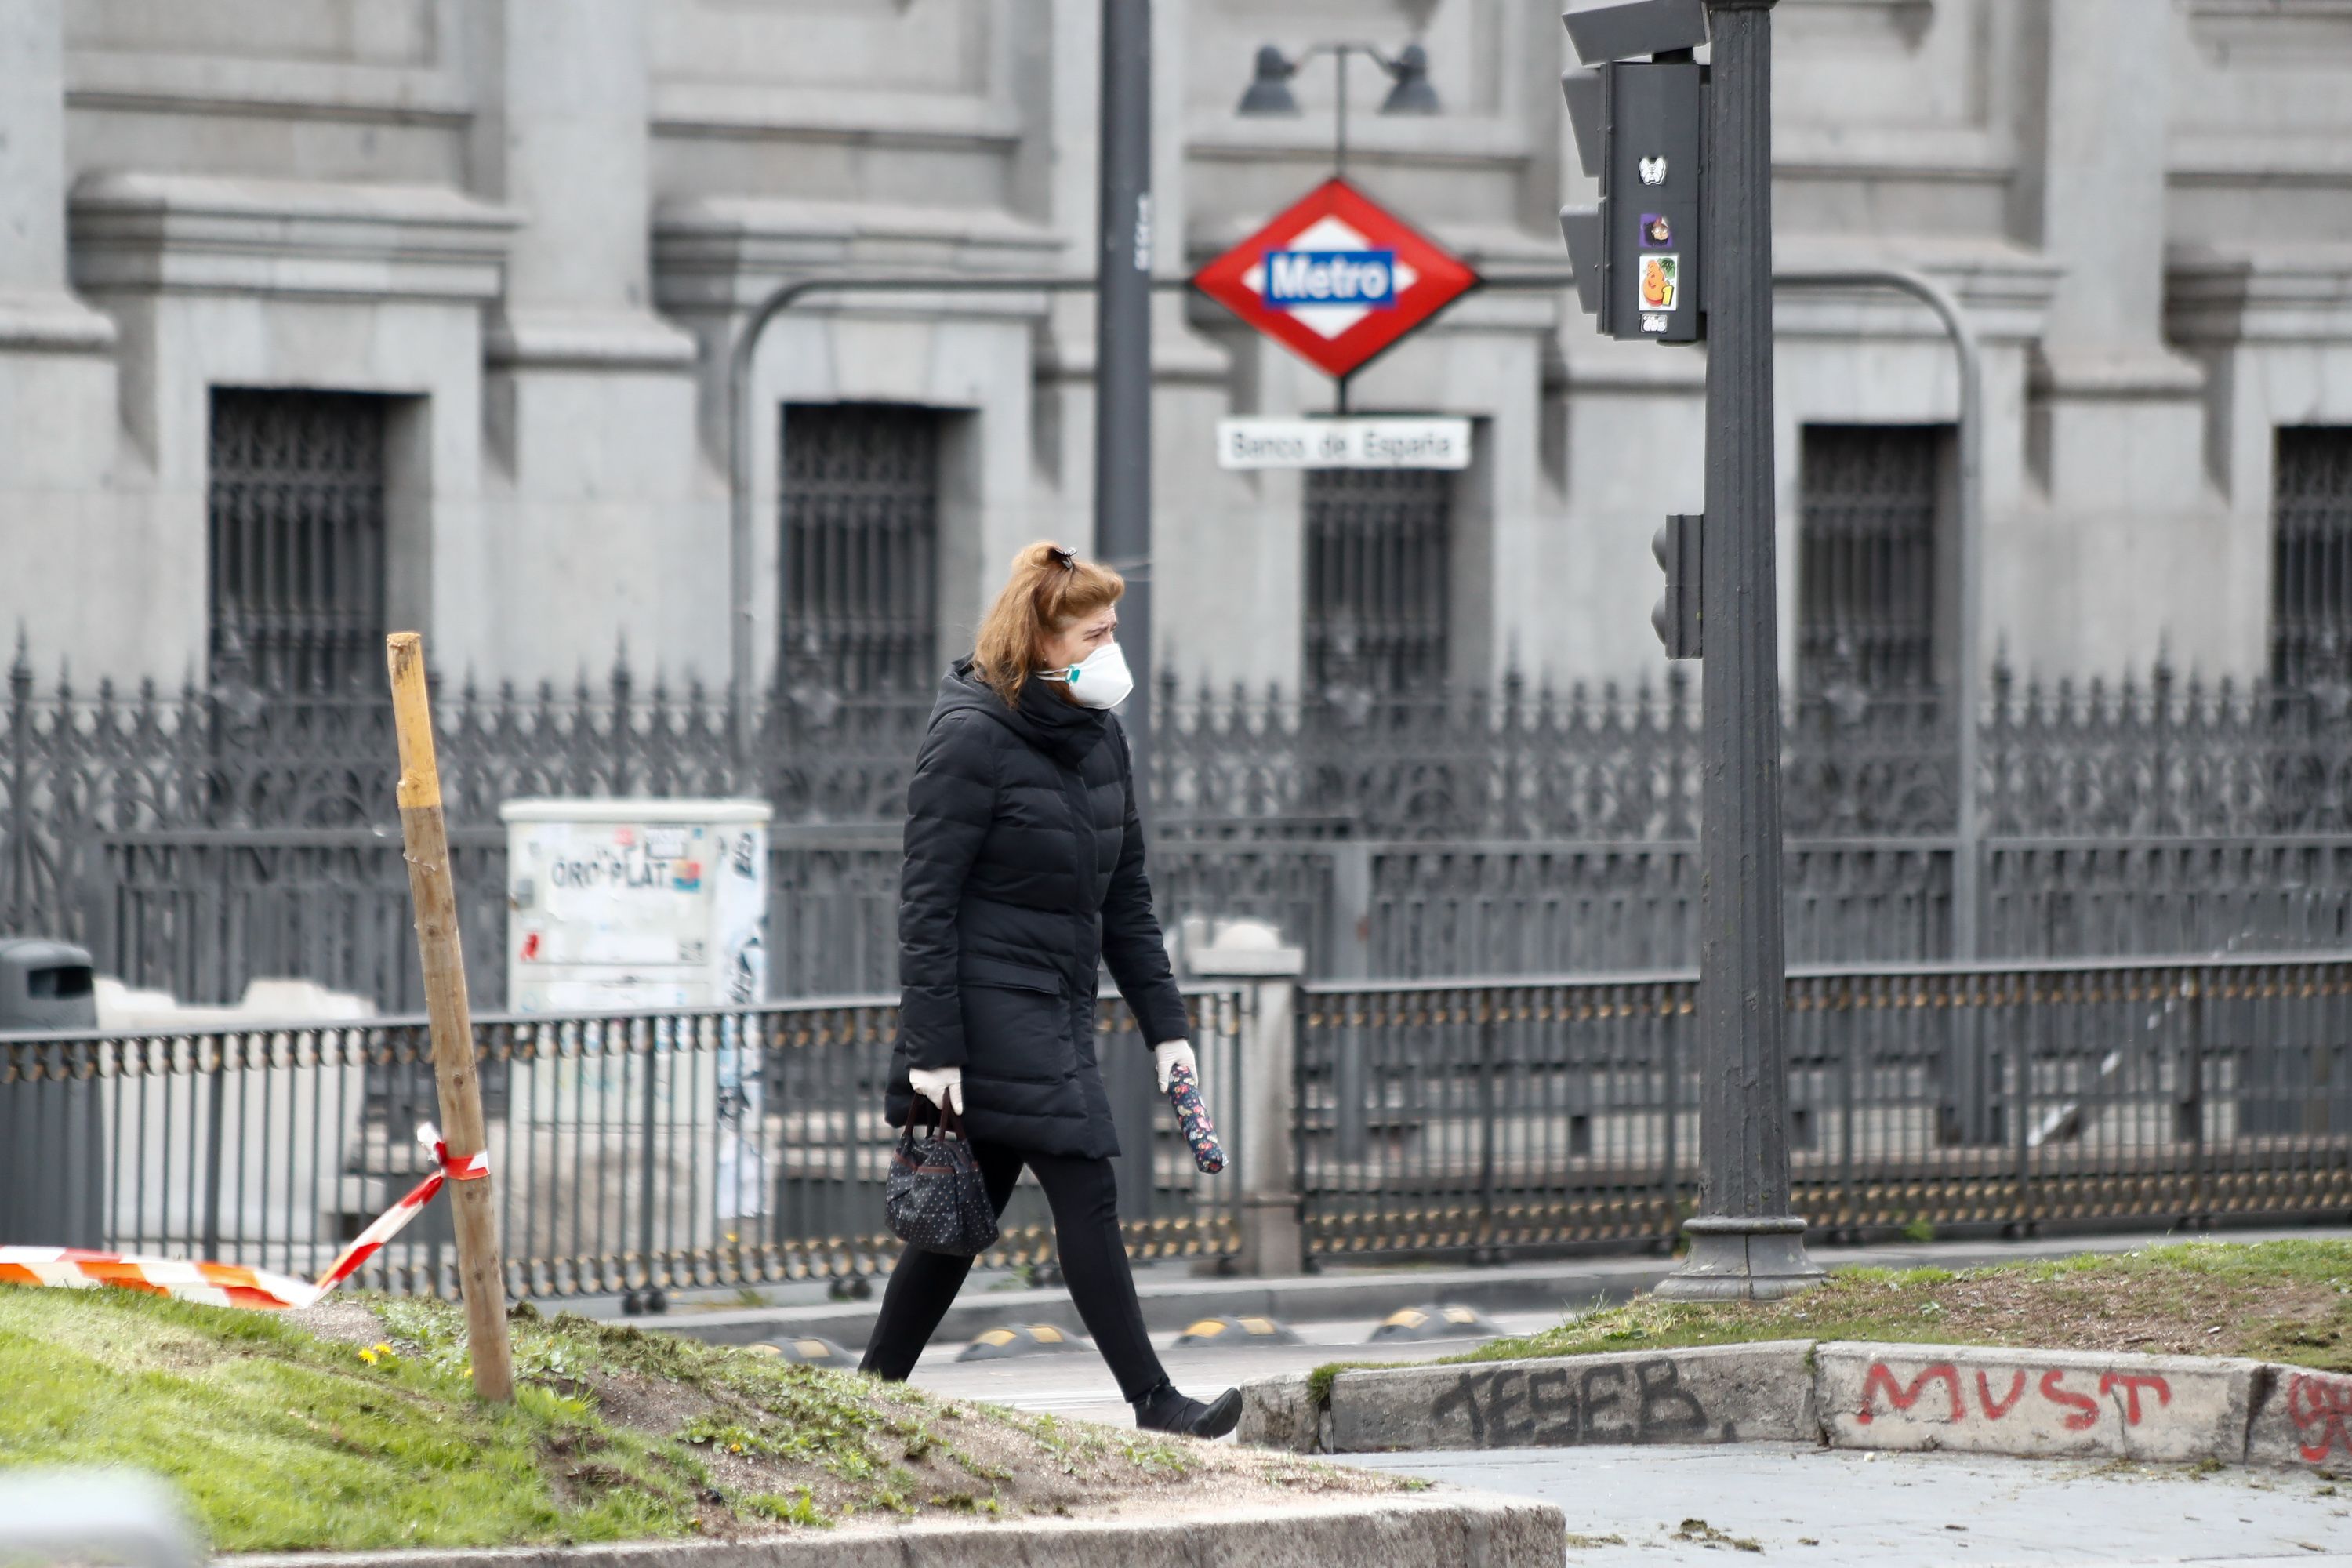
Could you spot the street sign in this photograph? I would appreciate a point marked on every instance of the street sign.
(1343, 443)
(1336, 278)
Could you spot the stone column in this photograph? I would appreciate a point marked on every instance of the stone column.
(1251, 952)
(57, 415)
(2127, 551)
(602, 534)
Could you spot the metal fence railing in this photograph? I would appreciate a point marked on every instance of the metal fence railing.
(1480, 1120)
(669, 1149)
(198, 911)
(197, 839)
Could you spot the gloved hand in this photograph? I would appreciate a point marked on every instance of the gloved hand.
(1168, 1056)
(943, 1087)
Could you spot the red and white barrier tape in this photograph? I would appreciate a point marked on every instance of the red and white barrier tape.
(390, 1223)
(231, 1284)
(216, 1284)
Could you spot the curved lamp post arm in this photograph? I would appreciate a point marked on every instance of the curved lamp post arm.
(1969, 680)
(740, 436)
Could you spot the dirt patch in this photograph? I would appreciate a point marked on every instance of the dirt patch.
(772, 1446)
(2285, 1301)
(2153, 1314)
(345, 1322)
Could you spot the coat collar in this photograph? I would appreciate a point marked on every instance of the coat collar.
(1048, 721)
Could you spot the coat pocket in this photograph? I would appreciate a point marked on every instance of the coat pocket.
(1016, 1020)
(1005, 972)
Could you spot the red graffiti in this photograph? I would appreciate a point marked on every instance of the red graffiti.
(1901, 1398)
(2330, 1408)
(1997, 1409)
(2323, 1405)
(2131, 1382)
(2085, 1410)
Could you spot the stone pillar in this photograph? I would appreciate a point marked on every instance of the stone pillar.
(1252, 954)
(57, 415)
(2115, 422)
(602, 534)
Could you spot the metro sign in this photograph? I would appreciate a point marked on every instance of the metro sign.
(1336, 278)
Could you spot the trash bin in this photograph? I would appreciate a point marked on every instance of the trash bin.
(52, 1131)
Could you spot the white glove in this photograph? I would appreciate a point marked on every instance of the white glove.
(943, 1087)
(1169, 1057)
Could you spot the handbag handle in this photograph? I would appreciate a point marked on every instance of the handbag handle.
(945, 1119)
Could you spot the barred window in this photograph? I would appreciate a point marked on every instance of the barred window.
(1866, 556)
(294, 518)
(1379, 553)
(861, 545)
(2311, 554)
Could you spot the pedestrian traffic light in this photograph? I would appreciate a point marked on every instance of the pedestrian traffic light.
(1676, 615)
(1637, 125)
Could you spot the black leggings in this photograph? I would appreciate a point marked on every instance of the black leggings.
(1085, 1198)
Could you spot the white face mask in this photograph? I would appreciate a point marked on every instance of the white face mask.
(1100, 680)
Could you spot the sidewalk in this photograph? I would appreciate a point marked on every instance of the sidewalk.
(1172, 1297)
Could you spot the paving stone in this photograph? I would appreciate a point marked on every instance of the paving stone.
(1279, 1413)
(2034, 1404)
(2304, 1422)
(1727, 1394)
(1443, 1529)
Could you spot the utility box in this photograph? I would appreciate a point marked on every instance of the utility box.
(52, 1100)
(635, 905)
(646, 1130)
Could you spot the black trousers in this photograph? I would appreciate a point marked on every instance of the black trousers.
(1084, 1195)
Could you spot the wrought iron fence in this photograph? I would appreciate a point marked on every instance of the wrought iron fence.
(1483, 1120)
(199, 839)
(668, 1151)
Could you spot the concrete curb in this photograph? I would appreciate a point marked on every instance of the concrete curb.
(1433, 1530)
(2028, 1404)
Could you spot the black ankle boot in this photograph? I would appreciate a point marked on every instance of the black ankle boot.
(1165, 1410)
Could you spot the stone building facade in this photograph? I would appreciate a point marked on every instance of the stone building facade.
(322, 316)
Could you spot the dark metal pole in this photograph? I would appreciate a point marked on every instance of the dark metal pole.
(1743, 1243)
(1123, 349)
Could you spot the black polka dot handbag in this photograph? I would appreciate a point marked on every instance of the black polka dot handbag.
(936, 1200)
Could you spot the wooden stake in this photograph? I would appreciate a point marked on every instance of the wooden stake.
(481, 1271)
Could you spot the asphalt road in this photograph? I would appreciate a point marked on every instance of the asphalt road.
(1078, 1383)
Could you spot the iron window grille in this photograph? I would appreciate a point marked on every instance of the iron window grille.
(295, 515)
(1378, 574)
(861, 547)
(2311, 555)
(1866, 577)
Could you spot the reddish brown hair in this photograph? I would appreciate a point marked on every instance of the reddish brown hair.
(1049, 590)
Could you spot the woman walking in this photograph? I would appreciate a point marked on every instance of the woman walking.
(1024, 876)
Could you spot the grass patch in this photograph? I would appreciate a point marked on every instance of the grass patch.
(277, 1440)
(282, 1440)
(2287, 1301)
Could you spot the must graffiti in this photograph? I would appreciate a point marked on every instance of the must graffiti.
(2121, 1391)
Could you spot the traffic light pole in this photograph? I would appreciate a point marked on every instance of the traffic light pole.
(1743, 1243)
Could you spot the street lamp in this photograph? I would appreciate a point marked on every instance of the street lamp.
(1408, 92)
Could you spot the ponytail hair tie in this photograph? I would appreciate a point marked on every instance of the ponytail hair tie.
(1067, 559)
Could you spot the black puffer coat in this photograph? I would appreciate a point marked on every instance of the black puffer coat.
(1024, 876)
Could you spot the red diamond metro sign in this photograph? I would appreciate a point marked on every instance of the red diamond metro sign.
(1336, 278)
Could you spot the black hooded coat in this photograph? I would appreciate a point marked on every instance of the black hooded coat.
(1023, 878)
